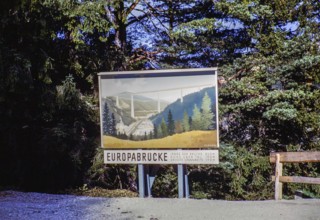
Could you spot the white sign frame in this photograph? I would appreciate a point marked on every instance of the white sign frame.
(196, 155)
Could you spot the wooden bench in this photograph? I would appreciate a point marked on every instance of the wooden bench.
(292, 157)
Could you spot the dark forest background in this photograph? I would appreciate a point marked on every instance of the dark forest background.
(267, 52)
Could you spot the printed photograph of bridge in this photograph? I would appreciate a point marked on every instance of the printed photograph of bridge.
(176, 111)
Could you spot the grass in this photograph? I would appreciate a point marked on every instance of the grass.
(191, 139)
(4, 194)
(100, 192)
(92, 192)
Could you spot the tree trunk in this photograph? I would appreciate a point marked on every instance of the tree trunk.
(121, 29)
(121, 36)
(171, 21)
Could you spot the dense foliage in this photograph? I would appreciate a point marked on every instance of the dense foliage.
(268, 56)
(48, 129)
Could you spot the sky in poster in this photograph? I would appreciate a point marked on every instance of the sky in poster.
(169, 87)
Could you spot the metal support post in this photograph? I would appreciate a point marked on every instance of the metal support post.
(186, 182)
(146, 176)
(141, 181)
(180, 181)
(151, 172)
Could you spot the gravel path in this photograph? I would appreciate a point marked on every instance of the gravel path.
(18, 205)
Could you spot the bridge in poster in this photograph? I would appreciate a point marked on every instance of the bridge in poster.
(158, 94)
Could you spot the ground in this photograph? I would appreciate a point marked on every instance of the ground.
(19, 205)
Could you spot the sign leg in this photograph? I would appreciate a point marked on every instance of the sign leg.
(141, 179)
(148, 180)
(186, 182)
(180, 181)
(151, 172)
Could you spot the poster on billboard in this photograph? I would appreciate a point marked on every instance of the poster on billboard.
(159, 109)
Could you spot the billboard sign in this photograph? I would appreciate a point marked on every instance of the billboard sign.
(158, 110)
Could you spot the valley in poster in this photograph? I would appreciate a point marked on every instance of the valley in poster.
(162, 111)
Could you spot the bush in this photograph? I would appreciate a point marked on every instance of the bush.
(50, 148)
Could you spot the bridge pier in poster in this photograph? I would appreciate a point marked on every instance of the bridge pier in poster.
(132, 107)
(159, 104)
(117, 102)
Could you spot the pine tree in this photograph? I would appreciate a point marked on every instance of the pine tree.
(184, 28)
(145, 137)
(207, 115)
(170, 123)
(196, 118)
(159, 131)
(106, 119)
(190, 122)
(270, 98)
(164, 128)
(155, 131)
(113, 128)
(185, 122)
